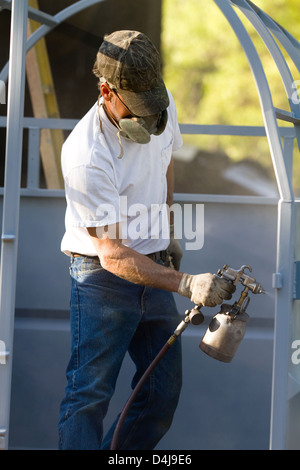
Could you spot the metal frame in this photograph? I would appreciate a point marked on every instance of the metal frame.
(285, 379)
(48, 22)
(9, 237)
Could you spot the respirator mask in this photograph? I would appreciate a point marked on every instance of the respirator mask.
(139, 129)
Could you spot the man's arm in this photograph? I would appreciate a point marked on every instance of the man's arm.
(131, 265)
(203, 289)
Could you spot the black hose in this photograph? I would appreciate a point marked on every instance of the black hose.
(137, 388)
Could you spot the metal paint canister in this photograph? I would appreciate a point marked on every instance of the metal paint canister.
(224, 334)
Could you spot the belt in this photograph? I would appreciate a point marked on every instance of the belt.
(80, 255)
(157, 256)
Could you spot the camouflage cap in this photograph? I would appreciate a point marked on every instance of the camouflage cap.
(131, 63)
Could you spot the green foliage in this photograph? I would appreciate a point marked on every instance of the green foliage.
(208, 74)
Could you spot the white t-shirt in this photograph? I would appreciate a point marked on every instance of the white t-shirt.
(102, 189)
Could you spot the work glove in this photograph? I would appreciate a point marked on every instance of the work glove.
(174, 250)
(206, 289)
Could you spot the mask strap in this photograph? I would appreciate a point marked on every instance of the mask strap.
(121, 145)
(98, 111)
(99, 104)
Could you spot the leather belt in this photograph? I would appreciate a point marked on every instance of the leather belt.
(79, 255)
(157, 256)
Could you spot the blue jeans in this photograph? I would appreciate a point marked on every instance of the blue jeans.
(110, 316)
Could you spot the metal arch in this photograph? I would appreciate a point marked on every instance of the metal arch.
(273, 48)
(34, 14)
(46, 28)
(280, 61)
(290, 44)
(283, 181)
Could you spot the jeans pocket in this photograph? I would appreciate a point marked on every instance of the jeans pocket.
(82, 268)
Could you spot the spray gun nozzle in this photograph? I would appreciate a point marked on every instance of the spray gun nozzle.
(260, 290)
(252, 285)
(236, 275)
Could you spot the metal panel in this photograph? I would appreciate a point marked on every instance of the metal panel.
(293, 404)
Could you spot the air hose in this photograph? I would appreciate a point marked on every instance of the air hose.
(195, 317)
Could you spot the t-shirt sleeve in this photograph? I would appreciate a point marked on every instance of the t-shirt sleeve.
(177, 140)
(92, 197)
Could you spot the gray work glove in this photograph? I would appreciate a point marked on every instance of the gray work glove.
(174, 250)
(206, 289)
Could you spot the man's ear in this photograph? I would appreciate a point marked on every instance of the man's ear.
(105, 91)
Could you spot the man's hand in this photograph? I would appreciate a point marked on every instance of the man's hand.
(206, 289)
(174, 249)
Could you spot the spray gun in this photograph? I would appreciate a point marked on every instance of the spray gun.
(227, 329)
(222, 338)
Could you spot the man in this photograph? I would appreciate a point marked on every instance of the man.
(119, 159)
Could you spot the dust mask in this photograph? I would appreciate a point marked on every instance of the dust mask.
(139, 129)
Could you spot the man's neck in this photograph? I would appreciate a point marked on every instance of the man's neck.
(110, 116)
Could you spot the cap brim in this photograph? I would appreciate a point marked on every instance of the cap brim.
(148, 102)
